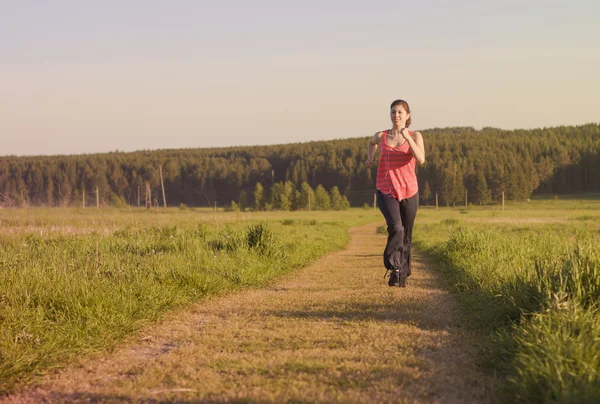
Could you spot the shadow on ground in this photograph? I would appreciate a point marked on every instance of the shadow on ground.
(412, 313)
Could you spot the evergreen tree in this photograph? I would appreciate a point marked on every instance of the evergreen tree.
(445, 183)
(258, 197)
(458, 188)
(282, 195)
(306, 192)
(482, 193)
(426, 193)
(243, 200)
(338, 201)
(322, 199)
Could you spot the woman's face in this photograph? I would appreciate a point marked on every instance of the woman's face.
(399, 116)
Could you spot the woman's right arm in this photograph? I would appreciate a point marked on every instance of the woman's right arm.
(372, 148)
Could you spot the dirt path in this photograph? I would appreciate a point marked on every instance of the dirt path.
(333, 332)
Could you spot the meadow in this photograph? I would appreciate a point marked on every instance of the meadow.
(528, 278)
(75, 281)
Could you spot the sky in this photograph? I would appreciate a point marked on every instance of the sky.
(90, 77)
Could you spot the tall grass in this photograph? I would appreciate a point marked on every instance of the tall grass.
(535, 289)
(66, 295)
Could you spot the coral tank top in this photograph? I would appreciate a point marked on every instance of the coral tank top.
(396, 171)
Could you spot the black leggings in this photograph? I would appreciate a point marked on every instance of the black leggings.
(400, 218)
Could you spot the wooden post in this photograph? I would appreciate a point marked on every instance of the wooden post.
(216, 215)
(83, 198)
(466, 199)
(97, 198)
(309, 198)
(139, 199)
(148, 197)
(162, 184)
(436, 201)
(502, 200)
(374, 201)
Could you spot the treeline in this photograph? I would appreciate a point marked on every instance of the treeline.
(484, 163)
(285, 196)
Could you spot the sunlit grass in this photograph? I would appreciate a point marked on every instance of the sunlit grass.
(76, 281)
(529, 278)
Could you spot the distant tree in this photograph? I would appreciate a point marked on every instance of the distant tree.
(243, 200)
(426, 192)
(282, 195)
(445, 183)
(338, 201)
(49, 190)
(322, 198)
(482, 193)
(306, 192)
(259, 192)
(458, 187)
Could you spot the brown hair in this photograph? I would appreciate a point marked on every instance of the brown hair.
(404, 105)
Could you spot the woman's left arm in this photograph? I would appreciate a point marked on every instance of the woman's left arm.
(416, 145)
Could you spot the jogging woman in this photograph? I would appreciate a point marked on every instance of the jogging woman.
(397, 188)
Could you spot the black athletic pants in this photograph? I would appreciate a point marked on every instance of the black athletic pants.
(400, 218)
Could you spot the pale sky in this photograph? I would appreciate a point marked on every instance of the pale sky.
(87, 77)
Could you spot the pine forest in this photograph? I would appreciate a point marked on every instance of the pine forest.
(480, 164)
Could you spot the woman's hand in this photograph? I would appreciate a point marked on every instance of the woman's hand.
(369, 163)
(405, 133)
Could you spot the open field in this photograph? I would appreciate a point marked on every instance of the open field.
(105, 221)
(77, 281)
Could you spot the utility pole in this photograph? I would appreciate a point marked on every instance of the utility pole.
(24, 200)
(148, 197)
(216, 225)
(162, 184)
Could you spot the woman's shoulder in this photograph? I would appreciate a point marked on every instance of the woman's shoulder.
(377, 136)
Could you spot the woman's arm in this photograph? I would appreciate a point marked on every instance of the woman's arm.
(372, 148)
(416, 144)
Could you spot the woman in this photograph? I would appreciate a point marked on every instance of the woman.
(397, 188)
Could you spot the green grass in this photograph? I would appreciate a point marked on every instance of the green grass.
(529, 279)
(78, 281)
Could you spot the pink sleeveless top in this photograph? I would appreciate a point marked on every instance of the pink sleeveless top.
(396, 172)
